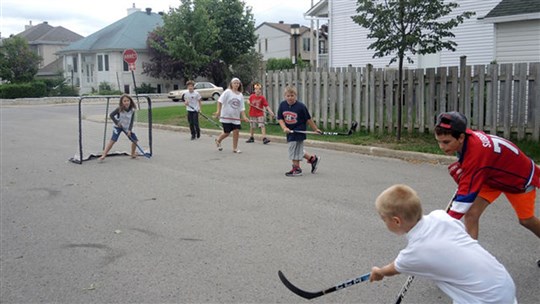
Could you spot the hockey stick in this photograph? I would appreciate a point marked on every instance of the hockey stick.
(256, 107)
(147, 155)
(410, 279)
(208, 118)
(310, 295)
(354, 124)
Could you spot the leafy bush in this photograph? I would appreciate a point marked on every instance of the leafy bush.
(23, 90)
(105, 88)
(145, 88)
(274, 64)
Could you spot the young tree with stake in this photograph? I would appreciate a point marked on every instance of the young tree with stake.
(408, 27)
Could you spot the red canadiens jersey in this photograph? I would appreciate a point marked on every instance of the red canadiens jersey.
(493, 161)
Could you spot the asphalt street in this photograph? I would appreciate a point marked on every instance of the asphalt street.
(195, 225)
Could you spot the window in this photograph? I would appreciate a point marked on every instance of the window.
(100, 62)
(103, 62)
(306, 41)
(126, 88)
(126, 67)
(259, 46)
(266, 44)
(75, 64)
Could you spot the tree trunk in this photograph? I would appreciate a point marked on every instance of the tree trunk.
(400, 97)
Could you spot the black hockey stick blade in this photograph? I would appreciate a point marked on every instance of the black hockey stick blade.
(311, 295)
(354, 125)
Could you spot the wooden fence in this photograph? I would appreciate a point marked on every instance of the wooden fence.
(500, 99)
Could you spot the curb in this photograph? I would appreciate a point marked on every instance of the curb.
(365, 150)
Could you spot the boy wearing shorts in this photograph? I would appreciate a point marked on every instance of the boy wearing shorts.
(487, 167)
(294, 116)
(440, 249)
(258, 105)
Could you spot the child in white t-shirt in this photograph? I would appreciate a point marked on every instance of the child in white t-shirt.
(230, 110)
(441, 250)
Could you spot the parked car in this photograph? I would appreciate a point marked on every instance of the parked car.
(206, 89)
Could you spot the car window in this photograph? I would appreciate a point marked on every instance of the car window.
(198, 86)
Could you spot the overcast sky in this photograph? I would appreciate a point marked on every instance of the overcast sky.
(85, 17)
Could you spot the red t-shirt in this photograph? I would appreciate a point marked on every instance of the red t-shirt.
(257, 101)
(493, 161)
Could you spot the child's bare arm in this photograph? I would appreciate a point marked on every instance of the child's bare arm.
(218, 111)
(378, 274)
(313, 126)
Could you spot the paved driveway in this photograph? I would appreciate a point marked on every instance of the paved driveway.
(194, 225)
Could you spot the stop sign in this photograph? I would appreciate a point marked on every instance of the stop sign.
(130, 56)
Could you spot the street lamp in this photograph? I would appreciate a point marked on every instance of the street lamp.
(295, 32)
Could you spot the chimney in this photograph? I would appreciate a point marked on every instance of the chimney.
(28, 26)
(132, 10)
(148, 10)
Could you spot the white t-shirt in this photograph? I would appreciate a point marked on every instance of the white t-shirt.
(231, 106)
(193, 100)
(441, 250)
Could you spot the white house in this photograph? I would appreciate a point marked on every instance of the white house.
(476, 37)
(99, 57)
(517, 30)
(276, 41)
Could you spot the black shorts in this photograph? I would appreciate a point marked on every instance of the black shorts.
(228, 127)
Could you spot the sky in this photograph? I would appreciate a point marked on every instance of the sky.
(85, 17)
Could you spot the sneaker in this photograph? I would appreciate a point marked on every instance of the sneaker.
(266, 140)
(237, 151)
(192, 137)
(294, 172)
(218, 145)
(315, 163)
(250, 140)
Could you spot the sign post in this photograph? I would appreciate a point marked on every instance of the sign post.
(130, 57)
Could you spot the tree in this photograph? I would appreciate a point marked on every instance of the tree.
(402, 27)
(161, 65)
(18, 63)
(188, 36)
(248, 67)
(236, 29)
(201, 38)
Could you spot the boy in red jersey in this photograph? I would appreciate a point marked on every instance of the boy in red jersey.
(488, 165)
(257, 108)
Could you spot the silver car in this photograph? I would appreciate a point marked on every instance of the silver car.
(206, 89)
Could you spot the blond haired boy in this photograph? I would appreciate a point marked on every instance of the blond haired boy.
(441, 250)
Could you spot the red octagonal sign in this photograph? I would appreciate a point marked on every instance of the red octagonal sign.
(130, 56)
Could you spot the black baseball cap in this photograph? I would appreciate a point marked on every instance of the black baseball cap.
(454, 121)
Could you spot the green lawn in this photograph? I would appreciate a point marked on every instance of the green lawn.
(176, 115)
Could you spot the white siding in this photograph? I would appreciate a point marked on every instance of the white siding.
(348, 44)
(518, 41)
(274, 43)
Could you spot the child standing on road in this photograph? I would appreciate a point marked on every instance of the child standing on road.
(258, 105)
(123, 118)
(440, 249)
(192, 100)
(293, 116)
(230, 107)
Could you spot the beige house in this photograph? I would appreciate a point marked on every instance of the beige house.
(275, 40)
(46, 41)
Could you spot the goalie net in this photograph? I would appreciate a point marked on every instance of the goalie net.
(95, 127)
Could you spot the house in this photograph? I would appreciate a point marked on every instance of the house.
(46, 40)
(99, 58)
(275, 40)
(476, 37)
(517, 30)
